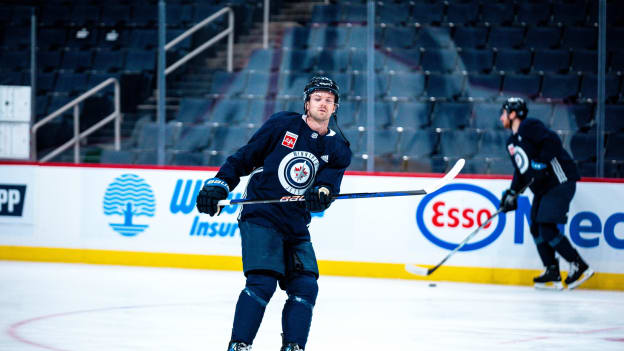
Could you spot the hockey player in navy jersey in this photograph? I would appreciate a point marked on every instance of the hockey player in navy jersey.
(291, 154)
(538, 157)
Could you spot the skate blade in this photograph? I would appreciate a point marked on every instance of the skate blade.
(586, 275)
(549, 286)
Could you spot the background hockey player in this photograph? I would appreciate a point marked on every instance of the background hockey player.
(538, 156)
(291, 154)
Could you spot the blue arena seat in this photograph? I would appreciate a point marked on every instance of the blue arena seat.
(459, 143)
(140, 60)
(49, 60)
(533, 13)
(614, 118)
(474, 60)
(614, 149)
(584, 61)
(297, 60)
(194, 110)
(194, 138)
(229, 139)
(583, 146)
(230, 112)
(76, 60)
(115, 15)
(506, 37)
(51, 38)
(560, 87)
(493, 143)
(543, 37)
(512, 60)
(439, 60)
(430, 37)
(580, 38)
(483, 86)
(391, 13)
(571, 118)
(521, 85)
(334, 60)
(71, 83)
(451, 115)
(325, 14)
(569, 14)
(296, 38)
(418, 143)
(328, 37)
(444, 86)
(485, 115)
(470, 37)
(258, 85)
(386, 142)
(413, 115)
(107, 60)
(406, 86)
(497, 13)
(353, 14)
(555, 61)
(228, 83)
(402, 60)
(427, 13)
(399, 37)
(462, 12)
(589, 87)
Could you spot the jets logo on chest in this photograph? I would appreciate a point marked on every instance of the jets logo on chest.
(289, 140)
(297, 170)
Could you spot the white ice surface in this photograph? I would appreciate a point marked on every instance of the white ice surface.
(45, 306)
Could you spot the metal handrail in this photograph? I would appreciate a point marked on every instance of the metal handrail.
(116, 115)
(229, 32)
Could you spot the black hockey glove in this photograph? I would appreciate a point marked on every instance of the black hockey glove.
(509, 201)
(208, 198)
(317, 198)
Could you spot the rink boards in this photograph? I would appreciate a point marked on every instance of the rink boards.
(146, 216)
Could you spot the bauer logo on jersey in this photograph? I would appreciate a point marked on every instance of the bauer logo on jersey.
(297, 171)
(289, 140)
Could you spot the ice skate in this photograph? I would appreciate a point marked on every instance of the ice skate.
(291, 347)
(549, 280)
(238, 346)
(579, 273)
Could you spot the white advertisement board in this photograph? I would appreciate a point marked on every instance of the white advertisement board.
(153, 210)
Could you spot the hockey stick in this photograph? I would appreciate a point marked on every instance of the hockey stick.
(414, 269)
(427, 271)
(427, 190)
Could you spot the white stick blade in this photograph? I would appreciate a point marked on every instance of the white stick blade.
(447, 177)
(416, 269)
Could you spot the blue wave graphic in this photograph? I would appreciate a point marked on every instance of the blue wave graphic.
(126, 230)
(129, 196)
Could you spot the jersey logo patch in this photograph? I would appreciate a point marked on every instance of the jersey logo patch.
(521, 159)
(289, 140)
(297, 170)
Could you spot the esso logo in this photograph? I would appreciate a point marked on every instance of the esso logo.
(447, 216)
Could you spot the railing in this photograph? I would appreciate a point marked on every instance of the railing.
(75, 141)
(229, 32)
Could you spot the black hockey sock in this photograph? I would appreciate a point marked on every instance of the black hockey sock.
(547, 254)
(551, 234)
(250, 307)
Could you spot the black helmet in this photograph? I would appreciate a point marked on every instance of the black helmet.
(516, 104)
(320, 83)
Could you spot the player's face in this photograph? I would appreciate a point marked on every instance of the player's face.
(504, 118)
(321, 105)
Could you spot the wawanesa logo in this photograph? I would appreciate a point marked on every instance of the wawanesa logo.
(447, 216)
(129, 196)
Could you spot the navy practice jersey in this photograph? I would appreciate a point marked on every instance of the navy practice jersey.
(285, 158)
(536, 153)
